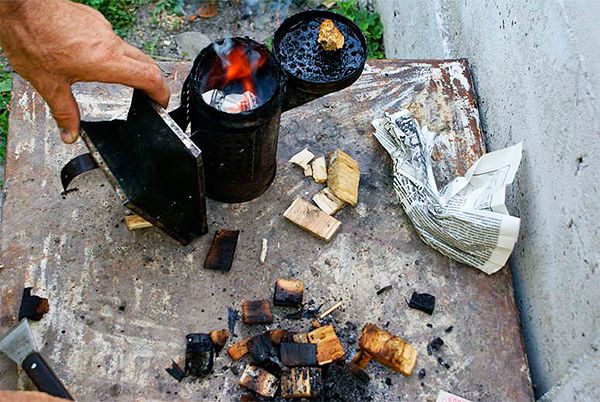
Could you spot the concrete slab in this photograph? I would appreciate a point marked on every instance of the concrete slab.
(121, 302)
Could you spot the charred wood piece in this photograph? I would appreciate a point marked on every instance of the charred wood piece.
(219, 339)
(422, 301)
(222, 250)
(302, 382)
(257, 312)
(384, 289)
(259, 380)
(298, 354)
(279, 335)
(175, 371)
(33, 307)
(199, 355)
(233, 316)
(434, 345)
(443, 363)
(238, 349)
(295, 315)
(288, 293)
(385, 348)
(262, 349)
(329, 347)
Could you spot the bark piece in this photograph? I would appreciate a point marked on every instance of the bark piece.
(288, 293)
(199, 355)
(328, 202)
(387, 349)
(238, 349)
(330, 38)
(302, 382)
(422, 301)
(219, 339)
(298, 354)
(312, 219)
(257, 312)
(329, 347)
(343, 177)
(319, 169)
(32, 307)
(222, 249)
(259, 380)
(134, 222)
(303, 159)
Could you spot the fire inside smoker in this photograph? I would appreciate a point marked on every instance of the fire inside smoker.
(234, 79)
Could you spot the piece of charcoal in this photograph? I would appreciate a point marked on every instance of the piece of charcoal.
(422, 301)
(298, 354)
(358, 373)
(422, 373)
(222, 249)
(288, 293)
(233, 316)
(175, 371)
(443, 363)
(199, 355)
(257, 312)
(384, 289)
(259, 380)
(296, 315)
(435, 344)
(261, 349)
(449, 329)
(219, 339)
(302, 382)
(32, 307)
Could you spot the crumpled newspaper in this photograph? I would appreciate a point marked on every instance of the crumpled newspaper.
(232, 103)
(467, 220)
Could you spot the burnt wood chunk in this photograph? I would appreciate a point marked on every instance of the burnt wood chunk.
(387, 349)
(329, 347)
(222, 250)
(302, 382)
(238, 349)
(259, 380)
(288, 293)
(219, 339)
(33, 307)
(262, 349)
(278, 335)
(422, 301)
(312, 219)
(298, 354)
(199, 355)
(257, 312)
(175, 371)
(343, 177)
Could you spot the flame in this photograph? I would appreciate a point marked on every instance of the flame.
(241, 65)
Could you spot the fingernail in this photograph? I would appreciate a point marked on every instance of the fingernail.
(67, 136)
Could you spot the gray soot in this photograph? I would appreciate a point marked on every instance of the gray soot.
(303, 57)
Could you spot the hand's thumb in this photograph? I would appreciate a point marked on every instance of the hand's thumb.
(65, 111)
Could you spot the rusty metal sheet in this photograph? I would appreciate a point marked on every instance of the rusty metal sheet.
(121, 302)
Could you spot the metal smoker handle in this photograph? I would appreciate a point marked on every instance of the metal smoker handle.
(43, 377)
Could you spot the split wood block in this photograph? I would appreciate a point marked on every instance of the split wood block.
(219, 339)
(330, 38)
(300, 338)
(278, 335)
(343, 177)
(310, 218)
(328, 202)
(259, 380)
(298, 354)
(257, 312)
(222, 250)
(303, 159)
(387, 349)
(134, 222)
(319, 169)
(302, 382)
(239, 349)
(288, 293)
(329, 347)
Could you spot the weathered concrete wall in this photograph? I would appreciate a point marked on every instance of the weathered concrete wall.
(537, 69)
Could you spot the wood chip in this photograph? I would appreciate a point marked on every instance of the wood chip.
(239, 349)
(222, 250)
(329, 347)
(328, 202)
(343, 177)
(288, 293)
(258, 380)
(312, 219)
(319, 169)
(134, 222)
(387, 349)
(257, 312)
(303, 159)
(219, 338)
(301, 382)
(330, 310)
(330, 38)
(298, 354)
(263, 251)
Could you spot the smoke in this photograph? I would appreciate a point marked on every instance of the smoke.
(222, 49)
(278, 9)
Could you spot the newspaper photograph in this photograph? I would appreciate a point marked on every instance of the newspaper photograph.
(467, 219)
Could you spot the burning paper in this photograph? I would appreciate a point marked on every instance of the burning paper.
(467, 220)
(232, 103)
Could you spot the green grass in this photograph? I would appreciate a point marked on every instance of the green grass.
(368, 22)
(5, 87)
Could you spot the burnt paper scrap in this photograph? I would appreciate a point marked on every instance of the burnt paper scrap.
(33, 307)
(422, 301)
(76, 166)
(222, 249)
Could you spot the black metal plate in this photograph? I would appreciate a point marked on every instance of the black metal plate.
(155, 168)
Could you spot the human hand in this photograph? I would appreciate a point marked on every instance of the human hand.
(27, 396)
(55, 43)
